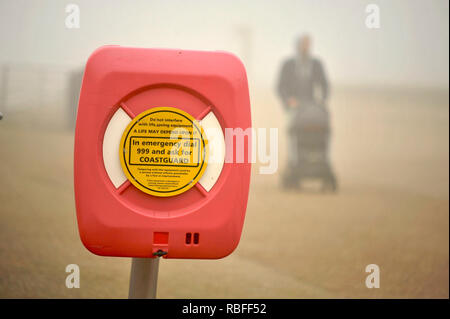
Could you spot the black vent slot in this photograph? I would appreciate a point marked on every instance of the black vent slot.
(196, 238)
(188, 238)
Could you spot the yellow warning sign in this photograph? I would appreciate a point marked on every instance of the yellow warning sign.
(163, 151)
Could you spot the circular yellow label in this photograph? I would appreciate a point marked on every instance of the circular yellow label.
(163, 151)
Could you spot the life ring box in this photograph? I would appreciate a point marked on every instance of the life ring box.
(152, 168)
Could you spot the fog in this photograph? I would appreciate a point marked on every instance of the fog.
(385, 139)
(409, 49)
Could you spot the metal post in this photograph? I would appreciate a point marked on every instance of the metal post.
(143, 278)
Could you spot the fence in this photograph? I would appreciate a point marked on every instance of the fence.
(35, 89)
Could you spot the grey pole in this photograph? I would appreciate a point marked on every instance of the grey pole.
(143, 278)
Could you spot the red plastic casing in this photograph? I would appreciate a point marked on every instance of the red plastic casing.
(126, 221)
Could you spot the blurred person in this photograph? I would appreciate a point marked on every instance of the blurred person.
(303, 89)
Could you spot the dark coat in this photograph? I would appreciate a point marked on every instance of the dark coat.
(292, 85)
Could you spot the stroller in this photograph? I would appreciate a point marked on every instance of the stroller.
(309, 135)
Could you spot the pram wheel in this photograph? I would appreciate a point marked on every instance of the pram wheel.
(330, 184)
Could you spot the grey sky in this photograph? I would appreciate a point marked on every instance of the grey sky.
(411, 47)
